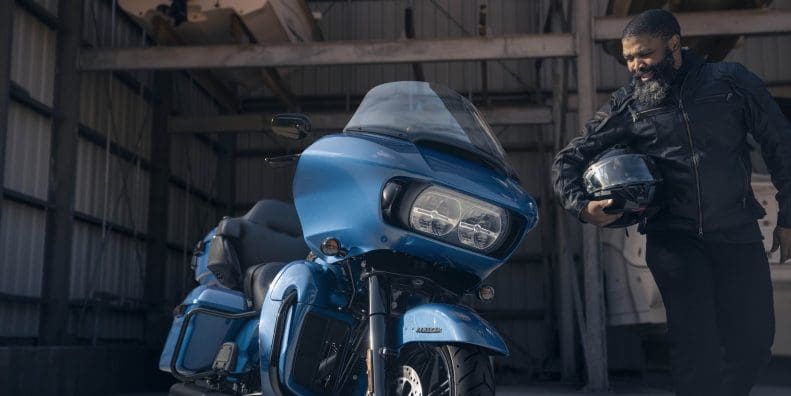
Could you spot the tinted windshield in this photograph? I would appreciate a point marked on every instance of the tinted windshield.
(420, 111)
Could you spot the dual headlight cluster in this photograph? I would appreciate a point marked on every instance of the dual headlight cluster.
(455, 218)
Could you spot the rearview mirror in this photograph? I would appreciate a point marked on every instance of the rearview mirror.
(293, 126)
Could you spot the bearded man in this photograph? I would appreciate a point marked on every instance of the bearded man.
(704, 246)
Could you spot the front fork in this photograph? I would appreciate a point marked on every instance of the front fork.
(377, 351)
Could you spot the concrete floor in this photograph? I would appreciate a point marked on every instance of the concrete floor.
(543, 390)
(776, 381)
(570, 391)
(560, 390)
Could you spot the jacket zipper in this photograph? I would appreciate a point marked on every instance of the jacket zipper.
(724, 97)
(746, 184)
(639, 115)
(694, 157)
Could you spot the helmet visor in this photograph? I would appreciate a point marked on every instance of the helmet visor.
(618, 171)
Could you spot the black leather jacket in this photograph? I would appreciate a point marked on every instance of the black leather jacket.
(697, 138)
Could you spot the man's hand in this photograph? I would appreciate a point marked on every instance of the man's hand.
(594, 214)
(781, 238)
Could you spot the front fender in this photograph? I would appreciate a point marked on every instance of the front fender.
(443, 323)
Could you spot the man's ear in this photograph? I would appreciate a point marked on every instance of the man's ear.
(674, 43)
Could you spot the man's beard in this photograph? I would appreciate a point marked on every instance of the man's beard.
(652, 92)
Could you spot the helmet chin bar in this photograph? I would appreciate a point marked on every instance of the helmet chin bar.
(634, 203)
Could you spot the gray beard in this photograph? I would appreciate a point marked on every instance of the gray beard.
(651, 93)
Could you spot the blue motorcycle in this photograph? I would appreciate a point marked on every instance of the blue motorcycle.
(402, 214)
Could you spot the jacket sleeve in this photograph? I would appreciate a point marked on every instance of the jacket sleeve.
(608, 127)
(772, 130)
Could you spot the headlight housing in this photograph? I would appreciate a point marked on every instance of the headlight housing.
(455, 218)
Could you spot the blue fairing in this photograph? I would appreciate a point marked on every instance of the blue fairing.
(339, 182)
(317, 291)
(442, 323)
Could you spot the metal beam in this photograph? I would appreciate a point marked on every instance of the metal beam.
(511, 115)
(329, 53)
(709, 23)
(41, 13)
(595, 329)
(54, 314)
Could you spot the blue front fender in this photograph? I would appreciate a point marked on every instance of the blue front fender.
(443, 323)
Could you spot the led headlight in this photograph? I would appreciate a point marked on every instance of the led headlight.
(435, 212)
(481, 226)
(458, 219)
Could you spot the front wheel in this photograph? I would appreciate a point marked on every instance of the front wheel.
(441, 370)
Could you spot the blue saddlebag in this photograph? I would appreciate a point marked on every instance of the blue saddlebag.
(204, 333)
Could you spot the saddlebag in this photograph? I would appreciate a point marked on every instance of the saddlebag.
(208, 317)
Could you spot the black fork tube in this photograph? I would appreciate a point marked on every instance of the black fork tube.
(377, 315)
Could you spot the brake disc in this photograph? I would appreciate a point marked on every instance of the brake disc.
(407, 383)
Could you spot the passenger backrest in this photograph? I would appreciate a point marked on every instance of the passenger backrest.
(269, 232)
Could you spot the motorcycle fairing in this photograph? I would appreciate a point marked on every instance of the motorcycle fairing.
(443, 324)
(317, 296)
(339, 182)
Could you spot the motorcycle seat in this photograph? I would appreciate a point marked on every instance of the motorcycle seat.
(257, 280)
(269, 232)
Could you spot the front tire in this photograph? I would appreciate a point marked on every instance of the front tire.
(441, 370)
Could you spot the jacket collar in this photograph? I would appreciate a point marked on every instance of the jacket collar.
(691, 63)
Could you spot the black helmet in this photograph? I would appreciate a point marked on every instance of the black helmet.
(631, 180)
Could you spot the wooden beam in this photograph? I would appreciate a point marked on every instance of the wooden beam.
(54, 314)
(241, 123)
(595, 328)
(619, 7)
(329, 53)
(514, 115)
(270, 76)
(511, 115)
(219, 124)
(165, 35)
(709, 23)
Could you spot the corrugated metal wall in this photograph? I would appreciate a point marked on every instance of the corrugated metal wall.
(112, 181)
(26, 172)
(256, 181)
(22, 255)
(384, 20)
